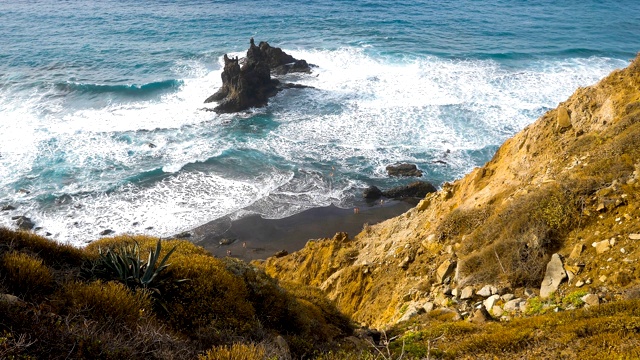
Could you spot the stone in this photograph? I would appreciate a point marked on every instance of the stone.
(372, 193)
(603, 278)
(418, 189)
(404, 264)
(412, 311)
(497, 311)
(579, 283)
(553, 276)
(563, 120)
(24, 223)
(529, 292)
(7, 208)
(441, 300)
(251, 85)
(480, 316)
(577, 251)
(634, 236)
(512, 305)
(428, 306)
(404, 170)
(591, 300)
(491, 301)
(487, 291)
(106, 232)
(184, 235)
(445, 270)
(466, 293)
(507, 297)
(602, 246)
(621, 279)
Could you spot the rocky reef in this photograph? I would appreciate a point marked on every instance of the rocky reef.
(247, 82)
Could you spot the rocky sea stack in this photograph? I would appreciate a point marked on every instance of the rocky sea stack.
(250, 84)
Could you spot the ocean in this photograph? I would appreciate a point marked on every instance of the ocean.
(103, 125)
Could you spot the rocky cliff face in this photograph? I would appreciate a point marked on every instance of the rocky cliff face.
(568, 184)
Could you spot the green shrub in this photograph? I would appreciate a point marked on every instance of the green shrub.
(110, 302)
(25, 275)
(575, 298)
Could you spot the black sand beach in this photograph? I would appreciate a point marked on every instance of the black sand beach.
(253, 237)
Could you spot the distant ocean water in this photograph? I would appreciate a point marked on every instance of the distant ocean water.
(102, 127)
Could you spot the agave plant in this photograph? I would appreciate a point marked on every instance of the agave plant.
(125, 265)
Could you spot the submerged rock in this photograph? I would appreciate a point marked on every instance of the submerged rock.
(251, 85)
(404, 170)
(24, 223)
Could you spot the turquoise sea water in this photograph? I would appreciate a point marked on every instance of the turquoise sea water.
(86, 87)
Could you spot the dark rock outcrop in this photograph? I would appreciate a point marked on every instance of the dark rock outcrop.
(24, 223)
(251, 85)
(372, 193)
(418, 189)
(404, 170)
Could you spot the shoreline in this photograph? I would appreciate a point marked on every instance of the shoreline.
(255, 238)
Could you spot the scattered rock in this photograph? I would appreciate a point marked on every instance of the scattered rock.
(412, 311)
(8, 208)
(404, 264)
(428, 306)
(466, 293)
(579, 283)
(24, 223)
(507, 297)
(512, 305)
(487, 291)
(106, 232)
(404, 170)
(281, 253)
(491, 301)
(576, 252)
(603, 278)
(226, 241)
(591, 300)
(497, 311)
(183, 235)
(372, 193)
(602, 246)
(634, 236)
(418, 189)
(553, 276)
(529, 292)
(151, 145)
(445, 270)
(480, 316)
(563, 120)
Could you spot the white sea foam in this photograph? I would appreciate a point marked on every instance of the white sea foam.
(366, 112)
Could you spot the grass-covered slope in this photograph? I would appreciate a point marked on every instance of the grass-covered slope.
(568, 180)
(58, 301)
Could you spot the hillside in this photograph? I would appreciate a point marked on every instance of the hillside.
(567, 182)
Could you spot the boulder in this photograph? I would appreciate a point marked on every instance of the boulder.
(491, 301)
(281, 253)
(554, 275)
(591, 299)
(250, 85)
(404, 170)
(512, 305)
(487, 291)
(24, 223)
(418, 189)
(445, 270)
(634, 236)
(106, 232)
(372, 193)
(480, 316)
(7, 208)
(466, 293)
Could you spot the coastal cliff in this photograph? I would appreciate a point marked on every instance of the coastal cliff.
(568, 184)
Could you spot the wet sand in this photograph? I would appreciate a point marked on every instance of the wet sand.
(253, 237)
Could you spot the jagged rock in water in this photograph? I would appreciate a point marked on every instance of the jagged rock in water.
(24, 223)
(251, 85)
(404, 170)
(418, 189)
